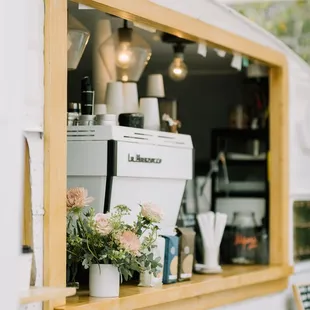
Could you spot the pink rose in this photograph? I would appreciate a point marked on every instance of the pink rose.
(151, 212)
(130, 242)
(103, 224)
(78, 198)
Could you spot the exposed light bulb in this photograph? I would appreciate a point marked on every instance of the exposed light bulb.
(124, 56)
(125, 78)
(178, 69)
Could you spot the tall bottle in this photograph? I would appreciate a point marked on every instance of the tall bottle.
(87, 96)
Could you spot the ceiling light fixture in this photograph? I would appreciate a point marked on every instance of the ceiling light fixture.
(131, 53)
(178, 69)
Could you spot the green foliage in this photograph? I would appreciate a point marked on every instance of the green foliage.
(287, 20)
(86, 244)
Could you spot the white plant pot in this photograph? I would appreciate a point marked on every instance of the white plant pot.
(104, 281)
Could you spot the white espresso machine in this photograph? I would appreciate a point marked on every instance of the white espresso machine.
(123, 165)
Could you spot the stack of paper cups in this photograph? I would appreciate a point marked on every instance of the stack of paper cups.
(114, 98)
(100, 108)
(149, 108)
(131, 100)
(155, 86)
(102, 73)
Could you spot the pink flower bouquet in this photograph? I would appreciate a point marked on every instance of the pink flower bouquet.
(108, 239)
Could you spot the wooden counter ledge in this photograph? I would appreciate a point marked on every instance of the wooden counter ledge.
(36, 294)
(236, 283)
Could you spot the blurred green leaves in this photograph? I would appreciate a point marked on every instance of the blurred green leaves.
(287, 20)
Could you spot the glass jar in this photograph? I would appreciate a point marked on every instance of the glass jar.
(245, 241)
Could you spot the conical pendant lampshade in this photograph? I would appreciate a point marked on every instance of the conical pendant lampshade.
(130, 51)
(78, 37)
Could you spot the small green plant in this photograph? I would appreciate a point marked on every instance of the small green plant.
(108, 239)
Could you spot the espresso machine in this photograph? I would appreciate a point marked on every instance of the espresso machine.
(129, 166)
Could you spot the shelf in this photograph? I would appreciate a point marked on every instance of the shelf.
(240, 162)
(240, 134)
(202, 292)
(37, 294)
(238, 194)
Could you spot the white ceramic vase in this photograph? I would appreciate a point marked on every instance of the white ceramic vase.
(104, 281)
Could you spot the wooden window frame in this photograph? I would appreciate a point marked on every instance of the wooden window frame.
(275, 276)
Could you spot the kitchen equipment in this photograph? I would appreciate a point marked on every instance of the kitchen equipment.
(131, 99)
(123, 165)
(106, 120)
(149, 108)
(155, 86)
(135, 120)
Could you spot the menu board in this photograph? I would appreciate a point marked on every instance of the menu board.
(302, 296)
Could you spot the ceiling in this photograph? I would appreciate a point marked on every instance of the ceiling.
(162, 53)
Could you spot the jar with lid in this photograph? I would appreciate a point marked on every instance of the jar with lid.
(245, 243)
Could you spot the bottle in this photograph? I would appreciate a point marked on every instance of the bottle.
(245, 243)
(87, 96)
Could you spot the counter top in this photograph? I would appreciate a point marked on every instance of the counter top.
(234, 284)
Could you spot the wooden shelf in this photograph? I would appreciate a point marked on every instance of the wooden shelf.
(204, 291)
(37, 294)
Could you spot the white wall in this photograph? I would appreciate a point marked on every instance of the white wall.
(210, 12)
(12, 88)
(33, 123)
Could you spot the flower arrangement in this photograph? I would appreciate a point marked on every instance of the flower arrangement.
(108, 239)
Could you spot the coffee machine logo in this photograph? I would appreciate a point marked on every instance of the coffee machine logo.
(139, 159)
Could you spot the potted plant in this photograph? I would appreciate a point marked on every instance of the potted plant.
(111, 248)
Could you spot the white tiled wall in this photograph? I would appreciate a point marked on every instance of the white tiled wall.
(210, 12)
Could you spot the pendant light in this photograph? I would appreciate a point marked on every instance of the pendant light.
(77, 39)
(178, 70)
(131, 54)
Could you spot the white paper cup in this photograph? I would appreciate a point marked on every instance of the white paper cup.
(87, 120)
(131, 99)
(155, 86)
(100, 108)
(114, 98)
(106, 120)
(149, 108)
